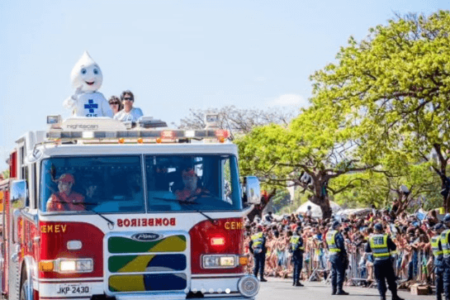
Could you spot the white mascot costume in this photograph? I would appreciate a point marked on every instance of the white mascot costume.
(87, 78)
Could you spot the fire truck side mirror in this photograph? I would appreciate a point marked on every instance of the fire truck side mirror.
(19, 193)
(252, 190)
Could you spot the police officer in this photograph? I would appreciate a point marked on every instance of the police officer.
(381, 246)
(436, 246)
(257, 247)
(337, 257)
(297, 250)
(445, 242)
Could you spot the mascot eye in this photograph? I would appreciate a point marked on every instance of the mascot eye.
(95, 71)
(83, 71)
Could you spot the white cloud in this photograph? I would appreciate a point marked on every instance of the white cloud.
(288, 100)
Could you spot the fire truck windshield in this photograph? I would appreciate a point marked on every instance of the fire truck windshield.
(196, 182)
(117, 184)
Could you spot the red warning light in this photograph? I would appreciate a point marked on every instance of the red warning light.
(168, 135)
(217, 241)
(222, 134)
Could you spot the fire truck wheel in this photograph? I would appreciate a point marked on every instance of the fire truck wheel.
(24, 290)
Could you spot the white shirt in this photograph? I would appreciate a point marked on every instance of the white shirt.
(132, 116)
(89, 105)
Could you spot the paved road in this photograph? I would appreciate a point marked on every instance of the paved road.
(278, 289)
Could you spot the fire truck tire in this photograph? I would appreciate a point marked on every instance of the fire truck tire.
(23, 290)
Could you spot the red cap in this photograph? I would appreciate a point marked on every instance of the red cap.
(259, 227)
(67, 177)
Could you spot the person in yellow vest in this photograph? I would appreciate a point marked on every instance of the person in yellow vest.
(445, 242)
(438, 255)
(257, 247)
(381, 245)
(338, 257)
(297, 248)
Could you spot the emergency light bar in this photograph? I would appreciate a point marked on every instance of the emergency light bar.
(164, 135)
(104, 129)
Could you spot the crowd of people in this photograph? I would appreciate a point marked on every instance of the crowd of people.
(411, 234)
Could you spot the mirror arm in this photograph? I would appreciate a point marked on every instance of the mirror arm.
(247, 210)
(31, 217)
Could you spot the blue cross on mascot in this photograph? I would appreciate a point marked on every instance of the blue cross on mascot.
(91, 106)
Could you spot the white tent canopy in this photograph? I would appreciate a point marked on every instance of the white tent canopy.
(358, 212)
(316, 211)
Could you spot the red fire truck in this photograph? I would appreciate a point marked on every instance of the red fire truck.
(98, 209)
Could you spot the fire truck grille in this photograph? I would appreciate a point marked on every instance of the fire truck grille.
(136, 265)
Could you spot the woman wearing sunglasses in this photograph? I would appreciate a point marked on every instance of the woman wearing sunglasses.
(114, 103)
(128, 113)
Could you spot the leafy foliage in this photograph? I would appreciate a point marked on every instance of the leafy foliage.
(395, 87)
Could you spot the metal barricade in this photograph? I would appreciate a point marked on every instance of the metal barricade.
(357, 272)
(318, 264)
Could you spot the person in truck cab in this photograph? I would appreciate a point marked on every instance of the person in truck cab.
(191, 186)
(65, 199)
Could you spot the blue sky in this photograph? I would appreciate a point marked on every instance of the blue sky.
(174, 55)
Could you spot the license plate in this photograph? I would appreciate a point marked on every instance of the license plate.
(73, 289)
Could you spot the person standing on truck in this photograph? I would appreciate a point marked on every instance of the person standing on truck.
(114, 103)
(257, 247)
(66, 199)
(128, 113)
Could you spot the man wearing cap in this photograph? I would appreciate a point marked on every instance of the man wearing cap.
(381, 245)
(65, 199)
(438, 255)
(337, 257)
(297, 248)
(257, 247)
(445, 242)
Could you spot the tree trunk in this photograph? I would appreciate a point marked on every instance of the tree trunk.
(447, 203)
(258, 209)
(324, 204)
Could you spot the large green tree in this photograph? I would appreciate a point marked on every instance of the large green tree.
(317, 147)
(395, 87)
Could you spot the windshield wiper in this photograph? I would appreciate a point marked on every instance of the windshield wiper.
(200, 212)
(110, 223)
(191, 208)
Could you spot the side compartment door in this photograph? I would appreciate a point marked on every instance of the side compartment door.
(3, 281)
(18, 197)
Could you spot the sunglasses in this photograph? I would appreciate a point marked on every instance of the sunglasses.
(114, 103)
(127, 99)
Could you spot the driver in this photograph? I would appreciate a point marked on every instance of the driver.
(191, 186)
(65, 199)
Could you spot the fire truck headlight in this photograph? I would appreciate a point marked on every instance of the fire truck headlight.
(67, 266)
(219, 261)
(76, 265)
(248, 286)
(85, 265)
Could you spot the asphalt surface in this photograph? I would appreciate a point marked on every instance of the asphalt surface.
(279, 289)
